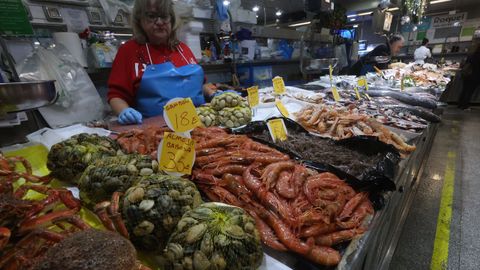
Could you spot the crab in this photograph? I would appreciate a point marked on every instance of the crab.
(9, 175)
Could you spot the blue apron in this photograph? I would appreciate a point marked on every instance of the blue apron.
(162, 82)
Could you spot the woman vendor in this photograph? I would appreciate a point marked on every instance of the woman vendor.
(365, 63)
(154, 66)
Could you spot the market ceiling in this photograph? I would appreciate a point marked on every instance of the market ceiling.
(293, 11)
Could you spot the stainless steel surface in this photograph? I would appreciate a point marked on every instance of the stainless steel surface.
(22, 96)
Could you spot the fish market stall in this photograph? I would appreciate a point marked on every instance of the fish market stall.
(333, 195)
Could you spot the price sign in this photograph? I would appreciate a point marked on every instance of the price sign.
(180, 115)
(253, 98)
(281, 108)
(330, 73)
(278, 85)
(357, 93)
(336, 96)
(277, 129)
(362, 82)
(176, 154)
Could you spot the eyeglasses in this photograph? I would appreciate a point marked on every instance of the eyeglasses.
(152, 17)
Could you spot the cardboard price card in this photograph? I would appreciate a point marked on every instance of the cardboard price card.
(362, 82)
(278, 85)
(253, 99)
(180, 115)
(176, 154)
(357, 94)
(330, 73)
(282, 108)
(277, 130)
(336, 96)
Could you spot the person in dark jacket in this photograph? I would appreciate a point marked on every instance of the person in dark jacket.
(471, 78)
(365, 63)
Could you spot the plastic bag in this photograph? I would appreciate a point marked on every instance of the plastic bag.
(78, 99)
(51, 64)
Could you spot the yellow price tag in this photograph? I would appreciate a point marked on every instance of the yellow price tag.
(180, 115)
(253, 99)
(357, 93)
(278, 85)
(330, 73)
(336, 96)
(277, 129)
(362, 82)
(281, 108)
(176, 154)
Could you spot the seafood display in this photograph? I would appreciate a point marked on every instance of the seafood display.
(340, 124)
(214, 236)
(294, 208)
(110, 174)
(33, 236)
(426, 75)
(407, 98)
(227, 109)
(319, 150)
(69, 158)
(149, 210)
(208, 116)
(227, 100)
(142, 141)
(316, 198)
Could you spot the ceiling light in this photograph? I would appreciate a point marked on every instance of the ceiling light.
(353, 19)
(255, 8)
(355, 26)
(226, 3)
(351, 15)
(393, 9)
(438, 1)
(300, 24)
(278, 13)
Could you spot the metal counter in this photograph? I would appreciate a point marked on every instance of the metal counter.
(374, 250)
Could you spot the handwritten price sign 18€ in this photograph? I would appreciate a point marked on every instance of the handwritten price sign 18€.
(180, 115)
(176, 154)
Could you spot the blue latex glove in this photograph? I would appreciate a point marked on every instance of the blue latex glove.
(130, 116)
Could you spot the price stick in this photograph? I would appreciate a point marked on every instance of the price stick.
(282, 108)
(253, 99)
(278, 85)
(277, 129)
(362, 82)
(336, 96)
(368, 97)
(402, 84)
(330, 73)
(357, 93)
(176, 154)
(180, 115)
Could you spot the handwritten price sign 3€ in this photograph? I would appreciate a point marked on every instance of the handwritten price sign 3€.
(176, 154)
(180, 115)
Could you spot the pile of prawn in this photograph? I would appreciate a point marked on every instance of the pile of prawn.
(142, 141)
(342, 123)
(295, 208)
